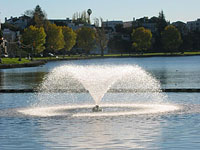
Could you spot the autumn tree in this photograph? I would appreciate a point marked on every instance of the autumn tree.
(171, 38)
(141, 39)
(34, 37)
(69, 38)
(55, 38)
(86, 39)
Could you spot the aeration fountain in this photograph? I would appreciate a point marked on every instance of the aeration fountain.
(97, 80)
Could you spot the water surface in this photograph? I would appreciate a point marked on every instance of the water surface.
(178, 129)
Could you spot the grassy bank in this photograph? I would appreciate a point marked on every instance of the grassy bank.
(14, 61)
(154, 54)
(76, 57)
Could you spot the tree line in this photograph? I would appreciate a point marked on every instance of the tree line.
(42, 36)
(166, 38)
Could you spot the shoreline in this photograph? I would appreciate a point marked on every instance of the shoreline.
(43, 61)
(30, 64)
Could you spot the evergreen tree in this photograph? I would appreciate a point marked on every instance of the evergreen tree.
(39, 17)
(161, 24)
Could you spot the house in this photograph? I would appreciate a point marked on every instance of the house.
(128, 24)
(68, 22)
(9, 35)
(194, 25)
(146, 23)
(181, 26)
(10, 41)
(111, 24)
(20, 22)
(60, 22)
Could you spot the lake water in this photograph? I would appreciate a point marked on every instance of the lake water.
(24, 125)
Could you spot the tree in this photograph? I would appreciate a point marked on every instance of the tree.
(160, 25)
(38, 16)
(55, 38)
(101, 38)
(117, 44)
(161, 22)
(35, 38)
(171, 38)
(69, 38)
(85, 38)
(141, 39)
(81, 18)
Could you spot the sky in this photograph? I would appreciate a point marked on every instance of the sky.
(125, 10)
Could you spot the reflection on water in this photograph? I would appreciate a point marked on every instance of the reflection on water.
(174, 130)
(178, 79)
(27, 80)
(102, 133)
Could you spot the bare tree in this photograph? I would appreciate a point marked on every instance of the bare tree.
(101, 37)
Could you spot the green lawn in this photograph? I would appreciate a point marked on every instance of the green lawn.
(14, 61)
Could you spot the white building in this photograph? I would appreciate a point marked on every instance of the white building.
(194, 25)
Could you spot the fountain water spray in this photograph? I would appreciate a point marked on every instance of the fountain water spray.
(98, 79)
